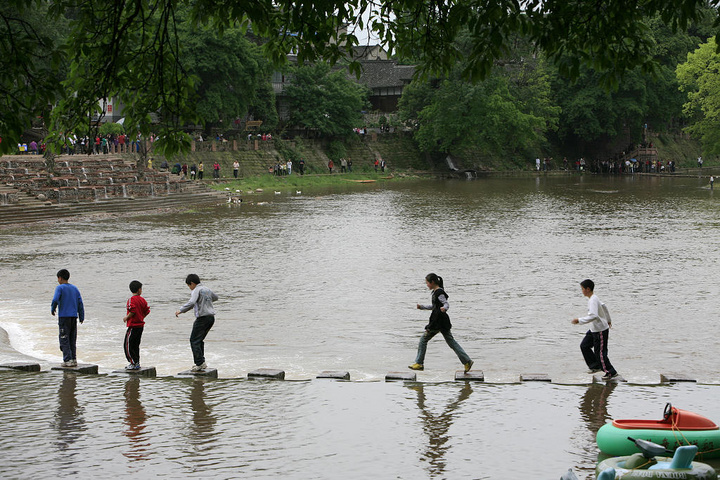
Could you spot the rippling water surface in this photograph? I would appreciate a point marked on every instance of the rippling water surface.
(329, 281)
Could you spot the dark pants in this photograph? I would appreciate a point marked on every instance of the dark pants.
(201, 327)
(68, 337)
(235, 172)
(594, 348)
(200, 175)
(132, 344)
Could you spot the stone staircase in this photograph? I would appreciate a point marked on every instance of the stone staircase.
(82, 185)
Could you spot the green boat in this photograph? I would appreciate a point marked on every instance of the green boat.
(645, 465)
(677, 428)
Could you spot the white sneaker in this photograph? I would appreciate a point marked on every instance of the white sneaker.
(199, 368)
(66, 364)
(73, 363)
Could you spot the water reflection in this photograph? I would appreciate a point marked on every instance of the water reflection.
(135, 418)
(69, 419)
(436, 427)
(594, 405)
(203, 425)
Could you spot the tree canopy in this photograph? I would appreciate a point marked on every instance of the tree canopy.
(324, 100)
(700, 78)
(131, 48)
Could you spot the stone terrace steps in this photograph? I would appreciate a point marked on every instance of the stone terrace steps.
(195, 193)
(16, 197)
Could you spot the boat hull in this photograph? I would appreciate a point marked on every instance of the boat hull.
(698, 471)
(614, 441)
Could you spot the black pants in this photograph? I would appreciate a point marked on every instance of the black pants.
(594, 348)
(132, 344)
(201, 327)
(68, 336)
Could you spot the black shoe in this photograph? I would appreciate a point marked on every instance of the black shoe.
(609, 377)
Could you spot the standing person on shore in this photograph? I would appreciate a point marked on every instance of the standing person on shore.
(330, 165)
(439, 323)
(201, 300)
(69, 305)
(594, 346)
(236, 168)
(201, 170)
(137, 309)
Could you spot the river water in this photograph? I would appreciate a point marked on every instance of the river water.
(329, 280)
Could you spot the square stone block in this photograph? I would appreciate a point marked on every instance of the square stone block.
(675, 377)
(335, 375)
(471, 376)
(409, 376)
(81, 368)
(142, 372)
(267, 373)
(22, 366)
(598, 378)
(208, 373)
(535, 377)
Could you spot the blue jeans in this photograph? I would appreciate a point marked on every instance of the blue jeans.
(449, 339)
(68, 337)
(201, 327)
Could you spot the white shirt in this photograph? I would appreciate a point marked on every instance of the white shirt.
(598, 316)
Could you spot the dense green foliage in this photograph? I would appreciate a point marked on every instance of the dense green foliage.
(31, 68)
(700, 78)
(325, 101)
(136, 50)
(233, 76)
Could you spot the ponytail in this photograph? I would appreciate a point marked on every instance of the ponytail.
(436, 279)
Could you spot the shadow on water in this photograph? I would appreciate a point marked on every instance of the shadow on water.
(436, 426)
(135, 421)
(202, 429)
(69, 418)
(594, 405)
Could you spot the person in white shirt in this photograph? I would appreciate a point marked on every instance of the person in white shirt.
(594, 346)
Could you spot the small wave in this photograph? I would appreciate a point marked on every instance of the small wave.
(8, 353)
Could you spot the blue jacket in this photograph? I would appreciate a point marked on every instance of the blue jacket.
(67, 298)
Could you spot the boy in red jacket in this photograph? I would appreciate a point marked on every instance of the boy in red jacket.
(137, 310)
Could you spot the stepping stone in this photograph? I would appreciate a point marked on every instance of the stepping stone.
(142, 372)
(471, 376)
(335, 375)
(25, 367)
(675, 377)
(535, 377)
(267, 373)
(409, 376)
(598, 378)
(208, 372)
(81, 368)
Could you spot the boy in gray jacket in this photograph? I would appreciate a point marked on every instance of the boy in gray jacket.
(201, 301)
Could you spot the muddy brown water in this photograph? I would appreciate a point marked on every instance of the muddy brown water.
(328, 280)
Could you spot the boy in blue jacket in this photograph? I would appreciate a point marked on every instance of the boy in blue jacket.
(69, 305)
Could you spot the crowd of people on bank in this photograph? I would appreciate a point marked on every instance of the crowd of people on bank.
(611, 166)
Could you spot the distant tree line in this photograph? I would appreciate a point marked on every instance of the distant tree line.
(498, 76)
